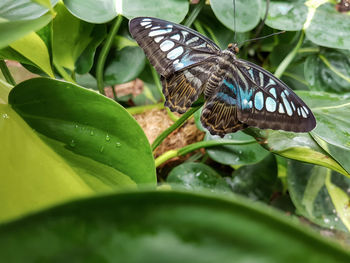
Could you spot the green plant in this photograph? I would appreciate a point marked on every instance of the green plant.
(62, 141)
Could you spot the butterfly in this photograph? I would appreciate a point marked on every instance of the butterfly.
(237, 93)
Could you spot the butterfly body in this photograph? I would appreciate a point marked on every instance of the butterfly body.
(238, 93)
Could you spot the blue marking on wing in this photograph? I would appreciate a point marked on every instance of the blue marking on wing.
(230, 86)
(259, 100)
(226, 98)
(245, 98)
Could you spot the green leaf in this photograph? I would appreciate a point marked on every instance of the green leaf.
(257, 181)
(5, 89)
(11, 31)
(319, 194)
(328, 71)
(332, 132)
(45, 3)
(247, 13)
(236, 154)
(164, 227)
(93, 11)
(75, 120)
(124, 66)
(33, 48)
(11, 10)
(172, 10)
(71, 37)
(32, 176)
(331, 121)
(86, 60)
(197, 176)
(329, 28)
(286, 15)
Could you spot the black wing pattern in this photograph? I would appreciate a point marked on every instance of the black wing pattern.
(266, 102)
(170, 47)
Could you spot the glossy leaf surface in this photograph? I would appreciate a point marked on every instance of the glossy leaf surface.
(319, 194)
(202, 228)
(247, 15)
(81, 122)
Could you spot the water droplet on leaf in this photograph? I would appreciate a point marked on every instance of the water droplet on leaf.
(72, 143)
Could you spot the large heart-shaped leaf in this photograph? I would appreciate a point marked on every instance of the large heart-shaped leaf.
(247, 15)
(34, 176)
(197, 176)
(319, 194)
(286, 15)
(125, 65)
(79, 121)
(172, 10)
(328, 71)
(164, 227)
(92, 11)
(329, 28)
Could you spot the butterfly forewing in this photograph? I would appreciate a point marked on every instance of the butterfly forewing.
(170, 47)
(266, 102)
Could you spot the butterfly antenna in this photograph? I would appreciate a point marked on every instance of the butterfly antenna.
(234, 20)
(263, 37)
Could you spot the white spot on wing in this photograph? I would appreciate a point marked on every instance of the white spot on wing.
(299, 111)
(156, 27)
(146, 19)
(293, 106)
(159, 32)
(273, 92)
(145, 23)
(306, 110)
(270, 104)
(157, 39)
(303, 113)
(148, 26)
(184, 33)
(175, 53)
(193, 39)
(166, 45)
(261, 77)
(280, 109)
(175, 37)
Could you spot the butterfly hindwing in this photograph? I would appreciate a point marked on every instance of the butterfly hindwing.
(170, 47)
(266, 102)
(219, 114)
(182, 88)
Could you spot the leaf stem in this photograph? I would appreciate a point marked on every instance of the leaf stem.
(63, 72)
(195, 146)
(173, 127)
(6, 72)
(195, 12)
(104, 52)
(289, 58)
(157, 81)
